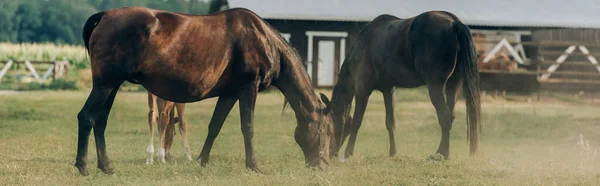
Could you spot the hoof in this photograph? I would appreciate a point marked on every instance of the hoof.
(202, 161)
(107, 170)
(255, 169)
(161, 155)
(83, 171)
(437, 157)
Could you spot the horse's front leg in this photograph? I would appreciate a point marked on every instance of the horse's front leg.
(224, 106)
(390, 122)
(247, 100)
(183, 129)
(151, 125)
(94, 115)
(362, 99)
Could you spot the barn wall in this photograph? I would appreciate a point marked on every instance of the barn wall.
(298, 28)
(567, 34)
(589, 36)
(299, 40)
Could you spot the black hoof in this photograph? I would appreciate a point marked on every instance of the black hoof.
(83, 171)
(203, 161)
(255, 169)
(437, 157)
(107, 170)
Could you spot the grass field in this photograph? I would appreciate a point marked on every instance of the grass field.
(535, 143)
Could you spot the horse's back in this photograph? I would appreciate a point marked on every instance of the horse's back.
(432, 23)
(382, 54)
(200, 56)
(164, 51)
(389, 48)
(434, 44)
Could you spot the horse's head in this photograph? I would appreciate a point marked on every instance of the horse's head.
(315, 137)
(341, 123)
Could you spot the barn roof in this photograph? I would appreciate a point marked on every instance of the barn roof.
(511, 13)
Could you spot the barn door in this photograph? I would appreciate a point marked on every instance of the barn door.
(325, 60)
(325, 55)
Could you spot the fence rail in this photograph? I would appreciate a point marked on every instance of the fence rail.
(57, 69)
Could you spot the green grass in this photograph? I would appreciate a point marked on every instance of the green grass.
(524, 144)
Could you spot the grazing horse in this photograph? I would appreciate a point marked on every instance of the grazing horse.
(183, 58)
(434, 49)
(166, 127)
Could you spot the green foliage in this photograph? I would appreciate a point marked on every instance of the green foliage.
(61, 21)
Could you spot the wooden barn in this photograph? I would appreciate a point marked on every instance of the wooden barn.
(528, 34)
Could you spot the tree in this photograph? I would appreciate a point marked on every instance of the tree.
(26, 20)
(218, 5)
(61, 21)
(7, 12)
(60, 26)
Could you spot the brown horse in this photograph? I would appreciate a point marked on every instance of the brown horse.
(166, 127)
(433, 49)
(183, 58)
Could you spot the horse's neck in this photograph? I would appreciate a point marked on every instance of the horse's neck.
(343, 92)
(297, 89)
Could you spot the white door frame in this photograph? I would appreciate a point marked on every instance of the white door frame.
(312, 34)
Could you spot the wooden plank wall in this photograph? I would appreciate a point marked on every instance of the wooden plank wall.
(567, 34)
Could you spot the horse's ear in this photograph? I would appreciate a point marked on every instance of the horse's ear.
(324, 99)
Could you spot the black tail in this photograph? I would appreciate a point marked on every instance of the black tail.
(467, 66)
(89, 26)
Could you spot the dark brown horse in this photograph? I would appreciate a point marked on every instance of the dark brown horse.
(232, 55)
(433, 49)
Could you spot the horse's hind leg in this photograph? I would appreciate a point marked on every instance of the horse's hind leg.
(224, 106)
(247, 104)
(183, 129)
(164, 109)
(452, 86)
(94, 115)
(151, 124)
(436, 94)
(390, 122)
(170, 133)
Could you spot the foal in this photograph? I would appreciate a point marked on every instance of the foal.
(166, 127)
